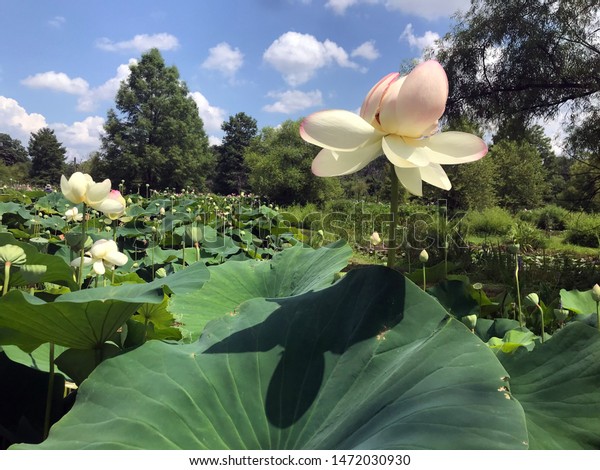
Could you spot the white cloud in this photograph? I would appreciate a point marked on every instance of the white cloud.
(140, 43)
(298, 56)
(17, 122)
(57, 22)
(212, 116)
(57, 81)
(292, 101)
(340, 6)
(366, 50)
(213, 140)
(427, 41)
(79, 138)
(107, 91)
(224, 59)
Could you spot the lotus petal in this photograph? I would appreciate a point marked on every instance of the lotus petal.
(338, 130)
(331, 163)
(435, 175)
(410, 179)
(451, 148)
(97, 192)
(370, 107)
(413, 108)
(401, 154)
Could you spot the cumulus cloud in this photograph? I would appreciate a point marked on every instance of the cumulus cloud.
(298, 56)
(427, 41)
(57, 22)
(340, 6)
(57, 81)
(89, 101)
(366, 50)
(291, 101)
(212, 116)
(80, 138)
(140, 43)
(224, 59)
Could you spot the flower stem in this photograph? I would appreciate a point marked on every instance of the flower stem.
(83, 240)
(518, 290)
(50, 392)
(392, 243)
(7, 265)
(598, 315)
(424, 278)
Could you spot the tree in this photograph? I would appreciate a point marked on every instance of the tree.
(520, 177)
(12, 151)
(155, 136)
(523, 58)
(47, 157)
(232, 174)
(279, 162)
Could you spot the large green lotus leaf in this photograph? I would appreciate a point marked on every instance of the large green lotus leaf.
(371, 362)
(558, 385)
(87, 318)
(57, 270)
(580, 302)
(294, 271)
(455, 296)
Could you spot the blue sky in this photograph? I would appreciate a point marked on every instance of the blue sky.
(61, 61)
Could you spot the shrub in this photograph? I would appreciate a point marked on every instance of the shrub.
(550, 217)
(492, 221)
(584, 230)
(528, 236)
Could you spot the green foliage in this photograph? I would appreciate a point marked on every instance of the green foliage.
(232, 175)
(528, 236)
(12, 151)
(520, 176)
(584, 230)
(508, 58)
(17, 173)
(371, 362)
(279, 162)
(550, 217)
(489, 222)
(155, 136)
(47, 157)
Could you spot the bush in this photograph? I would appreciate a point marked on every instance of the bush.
(584, 230)
(550, 217)
(487, 222)
(528, 236)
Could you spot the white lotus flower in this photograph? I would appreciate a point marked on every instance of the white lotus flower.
(80, 187)
(399, 118)
(104, 254)
(73, 215)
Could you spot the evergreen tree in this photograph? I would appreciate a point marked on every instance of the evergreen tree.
(155, 136)
(232, 173)
(47, 157)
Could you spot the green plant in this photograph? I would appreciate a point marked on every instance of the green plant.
(489, 222)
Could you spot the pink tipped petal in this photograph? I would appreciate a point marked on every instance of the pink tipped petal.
(337, 130)
(370, 106)
(410, 179)
(109, 206)
(435, 175)
(452, 148)
(402, 155)
(413, 109)
(330, 163)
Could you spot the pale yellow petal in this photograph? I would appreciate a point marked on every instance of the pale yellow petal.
(410, 179)
(98, 192)
(435, 175)
(451, 148)
(330, 163)
(403, 155)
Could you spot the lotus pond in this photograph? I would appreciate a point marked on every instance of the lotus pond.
(228, 328)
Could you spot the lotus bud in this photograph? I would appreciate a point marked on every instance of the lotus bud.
(161, 272)
(561, 314)
(470, 321)
(596, 293)
(423, 256)
(532, 299)
(321, 233)
(375, 238)
(161, 211)
(478, 286)
(513, 248)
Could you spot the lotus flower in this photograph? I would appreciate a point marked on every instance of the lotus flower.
(80, 187)
(399, 118)
(116, 196)
(73, 215)
(102, 255)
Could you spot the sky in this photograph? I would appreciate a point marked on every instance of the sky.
(61, 61)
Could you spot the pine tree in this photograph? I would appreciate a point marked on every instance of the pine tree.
(47, 157)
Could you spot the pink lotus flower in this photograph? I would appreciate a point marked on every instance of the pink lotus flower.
(399, 118)
(115, 195)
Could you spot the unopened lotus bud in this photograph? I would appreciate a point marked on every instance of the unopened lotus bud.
(561, 314)
(596, 293)
(375, 238)
(161, 272)
(470, 321)
(321, 233)
(478, 286)
(161, 211)
(423, 256)
(532, 299)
